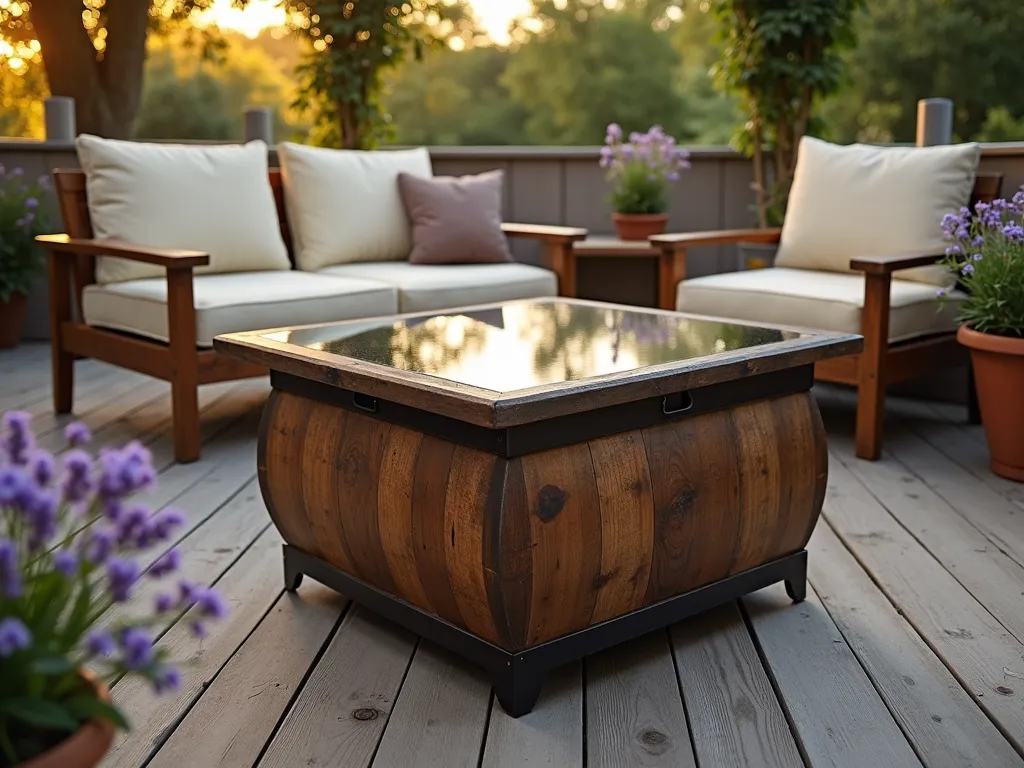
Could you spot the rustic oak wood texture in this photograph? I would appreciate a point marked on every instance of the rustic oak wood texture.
(880, 363)
(521, 551)
(72, 267)
(489, 408)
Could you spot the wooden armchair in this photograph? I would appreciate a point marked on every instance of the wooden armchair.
(883, 362)
(179, 358)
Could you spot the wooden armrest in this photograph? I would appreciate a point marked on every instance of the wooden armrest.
(172, 258)
(721, 237)
(886, 265)
(544, 232)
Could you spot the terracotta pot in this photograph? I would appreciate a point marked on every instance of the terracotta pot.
(999, 374)
(86, 746)
(639, 226)
(12, 318)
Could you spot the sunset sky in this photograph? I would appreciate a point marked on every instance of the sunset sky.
(494, 15)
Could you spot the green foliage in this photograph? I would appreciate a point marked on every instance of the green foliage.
(1001, 125)
(988, 259)
(23, 215)
(190, 96)
(588, 66)
(641, 169)
(964, 50)
(780, 58)
(352, 46)
(454, 98)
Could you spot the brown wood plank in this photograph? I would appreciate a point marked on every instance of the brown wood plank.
(430, 490)
(355, 480)
(342, 710)
(440, 717)
(757, 444)
(627, 523)
(945, 726)
(982, 655)
(465, 506)
(987, 573)
(735, 718)
(508, 550)
(314, 512)
(634, 711)
(829, 700)
(394, 513)
(234, 718)
(250, 594)
(565, 519)
(551, 735)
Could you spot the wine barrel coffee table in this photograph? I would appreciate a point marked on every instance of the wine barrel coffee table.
(531, 482)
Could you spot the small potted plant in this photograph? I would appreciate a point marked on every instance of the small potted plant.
(21, 219)
(641, 171)
(988, 256)
(70, 542)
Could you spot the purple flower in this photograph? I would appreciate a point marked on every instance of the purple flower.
(978, 241)
(14, 636)
(121, 577)
(14, 484)
(167, 679)
(1014, 233)
(198, 629)
(166, 521)
(212, 605)
(137, 647)
(164, 603)
(17, 172)
(77, 434)
(10, 574)
(968, 269)
(978, 257)
(31, 203)
(17, 440)
(42, 466)
(42, 518)
(100, 643)
(614, 132)
(65, 562)
(941, 293)
(188, 592)
(953, 250)
(133, 526)
(98, 545)
(126, 471)
(77, 482)
(167, 564)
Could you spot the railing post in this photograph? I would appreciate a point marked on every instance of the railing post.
(259, 124)
(59, 118)
(934, 122)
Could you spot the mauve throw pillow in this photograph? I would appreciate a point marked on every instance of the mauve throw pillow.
(455, 220)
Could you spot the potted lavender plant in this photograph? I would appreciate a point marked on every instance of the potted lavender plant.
(987, 255)
(641, 171)
(70, 542)
(21, 220)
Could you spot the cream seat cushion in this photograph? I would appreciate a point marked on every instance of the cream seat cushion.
(828, 301)
(425, 287)
(861, 200)
(215, 199)
(344, 206)
(244, 301)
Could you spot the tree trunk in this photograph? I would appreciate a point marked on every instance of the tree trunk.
(348, 126)
(107, 91)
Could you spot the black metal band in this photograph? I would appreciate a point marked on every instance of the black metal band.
(560, 430)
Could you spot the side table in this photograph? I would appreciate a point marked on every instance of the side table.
(671, 269)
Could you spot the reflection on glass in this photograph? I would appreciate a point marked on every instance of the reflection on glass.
(530, 343)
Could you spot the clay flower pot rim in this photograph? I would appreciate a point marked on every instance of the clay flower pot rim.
(643, 216)
(85, 747)
(990, 342)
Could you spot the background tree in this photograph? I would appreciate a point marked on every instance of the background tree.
(353, 45)
(580, 65)
(780, 59)
(907, 50)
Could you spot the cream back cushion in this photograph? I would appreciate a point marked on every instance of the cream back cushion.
(859, 200)
(215, 199)
(344, 206)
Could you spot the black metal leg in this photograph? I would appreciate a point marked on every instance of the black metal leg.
(292, 574)
(517, 687)
(796, 581)
(973, 410)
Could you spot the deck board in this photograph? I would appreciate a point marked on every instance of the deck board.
(918, 571)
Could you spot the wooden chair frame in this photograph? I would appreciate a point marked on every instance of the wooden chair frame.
(881, 363)
(179, 361)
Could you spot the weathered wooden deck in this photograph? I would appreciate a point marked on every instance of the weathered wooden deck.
(908, 651)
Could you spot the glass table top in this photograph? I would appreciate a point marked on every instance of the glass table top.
(530, 343)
